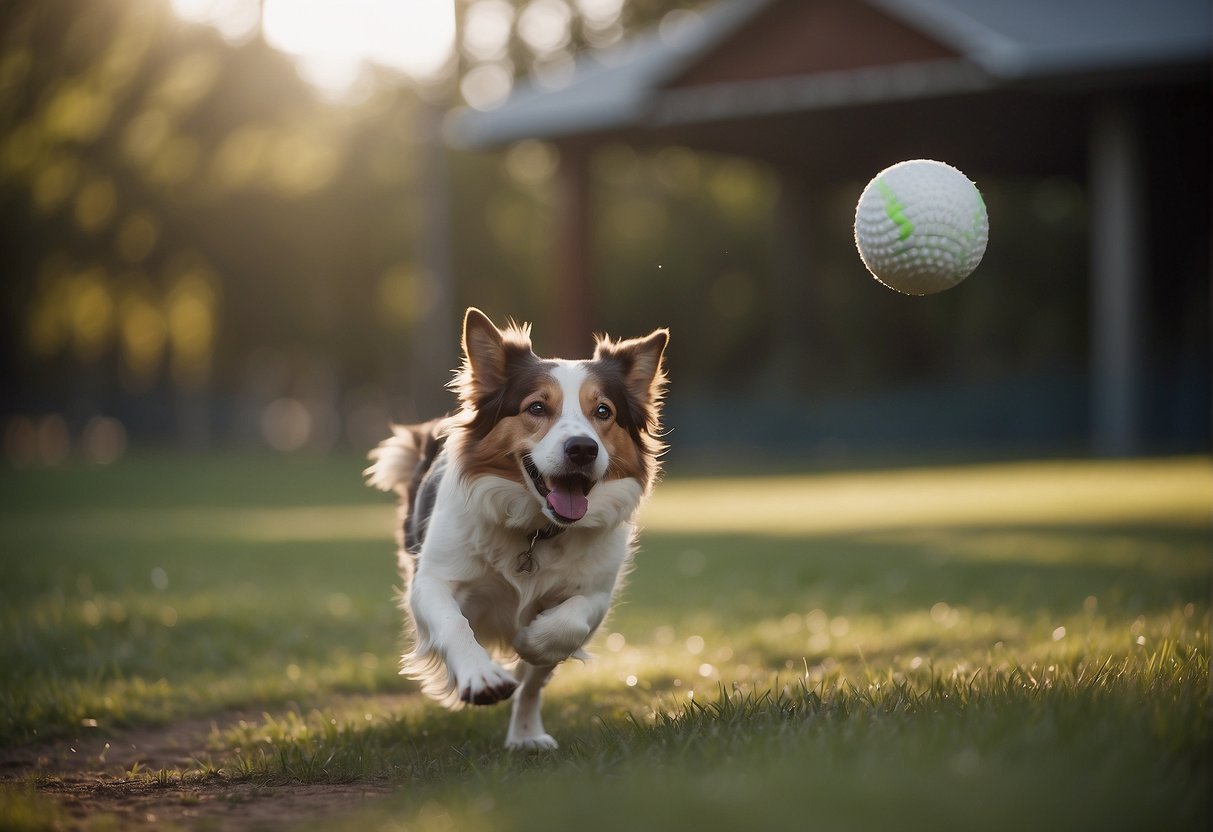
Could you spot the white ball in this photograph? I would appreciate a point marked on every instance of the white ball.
(921, 227)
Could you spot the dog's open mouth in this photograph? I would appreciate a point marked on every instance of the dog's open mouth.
(566, 494)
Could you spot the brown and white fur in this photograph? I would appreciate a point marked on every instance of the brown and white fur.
(517, 513)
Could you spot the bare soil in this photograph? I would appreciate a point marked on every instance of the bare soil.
(164, 777)
(206, 802)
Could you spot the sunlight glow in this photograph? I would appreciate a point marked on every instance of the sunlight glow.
(484, 87)
(1036, 494)
(486, 29)
(336, 42)
(235, 20)
(544, 25)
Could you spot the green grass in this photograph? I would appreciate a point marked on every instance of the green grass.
(965, 647)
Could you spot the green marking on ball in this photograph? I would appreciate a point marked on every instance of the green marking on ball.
(894, 210)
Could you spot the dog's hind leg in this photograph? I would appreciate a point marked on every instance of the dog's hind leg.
(526, 724)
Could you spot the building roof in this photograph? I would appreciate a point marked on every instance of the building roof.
(722, 63)
(609, 88)
(1044, 38)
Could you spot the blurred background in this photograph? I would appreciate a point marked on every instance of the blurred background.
(254, 224)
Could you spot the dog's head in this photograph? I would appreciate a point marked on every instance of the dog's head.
(557, 428)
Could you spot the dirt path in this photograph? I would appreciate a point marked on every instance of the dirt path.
(144, 802)
(165, 776)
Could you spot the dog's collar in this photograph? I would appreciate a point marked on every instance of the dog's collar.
(526, 560)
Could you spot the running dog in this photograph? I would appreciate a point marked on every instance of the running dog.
(517, 513)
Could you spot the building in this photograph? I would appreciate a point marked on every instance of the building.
(1115, 93)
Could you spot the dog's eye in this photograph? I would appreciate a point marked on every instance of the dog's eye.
(537, 409)
(603, 412)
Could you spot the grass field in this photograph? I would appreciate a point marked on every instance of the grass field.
(213, 641)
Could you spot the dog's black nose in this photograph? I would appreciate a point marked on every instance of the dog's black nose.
(581, 450)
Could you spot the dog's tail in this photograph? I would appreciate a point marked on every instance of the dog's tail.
(394, 460)
(400, 464)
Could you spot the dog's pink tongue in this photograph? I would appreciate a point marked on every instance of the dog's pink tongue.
(571, 505)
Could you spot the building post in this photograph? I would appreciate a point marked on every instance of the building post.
(575, 309)
(793, 307)
(1117, 236)
(434, 336)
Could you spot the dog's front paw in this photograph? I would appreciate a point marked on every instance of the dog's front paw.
(539, 742)
(538, 653)
(547, 641)
(487, 687)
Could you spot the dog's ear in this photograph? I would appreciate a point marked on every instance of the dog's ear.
(483, 349)
(489, 351)
(642, 362)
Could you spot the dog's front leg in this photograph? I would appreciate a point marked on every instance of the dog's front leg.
(443, 629)
(561, 631)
